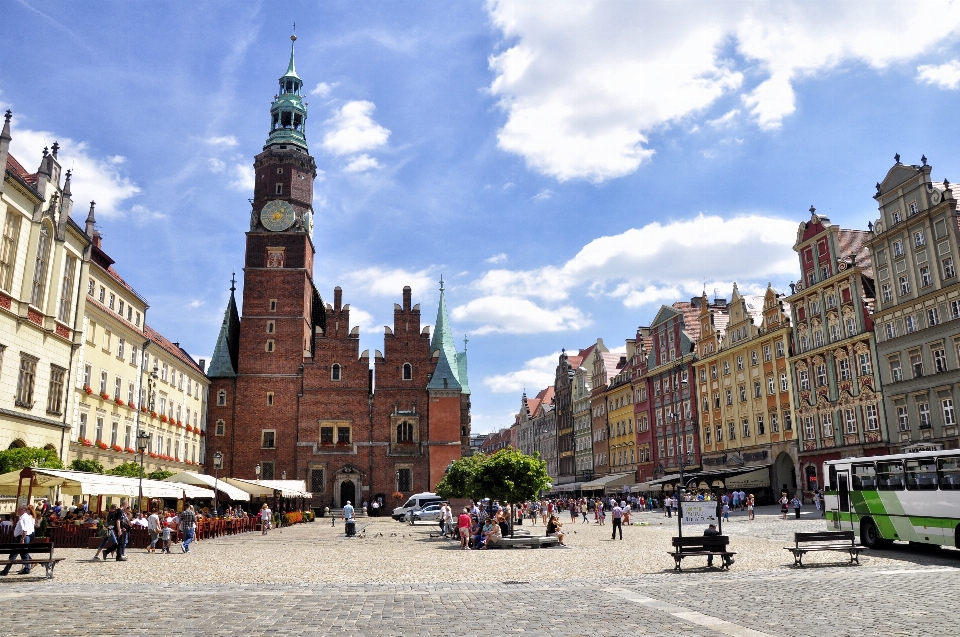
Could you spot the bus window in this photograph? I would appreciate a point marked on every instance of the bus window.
(921, 474)
(949, 473)
(890, 476)
(864, 477)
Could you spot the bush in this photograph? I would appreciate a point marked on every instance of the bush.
(159, 474)
(23, 457)
(294, 517)
(90, 466)
(128, 469)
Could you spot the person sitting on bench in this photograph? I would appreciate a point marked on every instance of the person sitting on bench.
(554, 528)
(727, 560)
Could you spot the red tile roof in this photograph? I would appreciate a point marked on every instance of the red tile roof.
(17, 169)
(854, 242)
(170, 348)
(691, 318)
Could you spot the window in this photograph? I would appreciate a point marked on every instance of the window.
(954, 309)
(269, 346)
(716, 401)
(91, 286)
(706, 435)
(279, 189)
(933, 316)
(757, 389)
(120, 345)
(821, 375)
(55, 392)
(221, 398)
(732, 431)
(267, 471)
(939, 359)
(404, 480)
(824, 272)
(25, 382)
(103, 381)
(891, 330)
(753, 357)
(826, 425)
(739, 363)
(113, 433)
(916, 364)
(804, 344)
(343, 435)
(949, 417)
(949, 270)
(726, 368)
(743, 393)
(102, 295)
(40, 268)
(766, 353)
(335, 372)
(120, 308)
(273, 305)
(268, 439)
(815, 306)
(271, 327)
(851, 326)
(220, 428)
(137, 319)
(904, 284)
(902, 418)
(780, 349)
(87, 372)
(925, 277)
(918, 238)
(760, 428)
(923, 409)
(774, 422)
(719, 433)
(163, 372)
(129, 314)
(887, 291)
(405, 432)
(83, 425)
(804, 379)
(66, 289)
(898, 248)
(787, 421)
(713, 372)
(808, 428)
(896, 372)
(865, 367)
(99, 433)
(269, 399)
(783, 383)
(407, 371)
(850, 421)
(8, 248)
(771, 385)
(112, 299)
(817, 338)
(844, 366)
(834, 332)
(117, 384)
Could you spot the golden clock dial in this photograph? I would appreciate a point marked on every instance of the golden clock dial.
(277, 215)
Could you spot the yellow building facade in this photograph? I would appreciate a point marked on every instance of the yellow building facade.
(620, 420)
(745, 393)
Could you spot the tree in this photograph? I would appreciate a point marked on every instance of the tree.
(512, 476)
(23, 457)
(459, 480)
(159, 474)
(90, 466)
(128, 469)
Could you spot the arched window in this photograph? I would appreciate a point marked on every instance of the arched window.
(405, 432)
(40, 268)
(17, 444)
(221, 398)
(335, 372)
(407, 371)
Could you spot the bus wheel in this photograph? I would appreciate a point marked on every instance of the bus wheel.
(870, 536)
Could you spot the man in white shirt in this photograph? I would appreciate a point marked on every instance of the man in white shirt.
(26, 527)
(153, 526)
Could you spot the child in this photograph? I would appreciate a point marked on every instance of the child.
(165, 534)
(726, 511)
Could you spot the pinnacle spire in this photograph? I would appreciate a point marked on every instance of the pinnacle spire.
(288, 112)
(223, 363)
(291, 68)
(91, 220)
(447, 373)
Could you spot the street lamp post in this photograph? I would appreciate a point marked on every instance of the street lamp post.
(143, 441)
(217, 465)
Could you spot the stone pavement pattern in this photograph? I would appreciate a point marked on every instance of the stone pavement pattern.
(311, 580)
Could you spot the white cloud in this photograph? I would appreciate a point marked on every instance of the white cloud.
(242, 177)
(226, 140)
(384, 282)
(584, 84)
(361, 163)
(323, 89)
(362, 319)
(535, 374)
(353, 130)
(497, 258)
(194, 304)
(216, 166)
(661, 261)
(517, 315)
(95, 179)
(142, 213)
(945, 76)
(724, 120)
(543, 195)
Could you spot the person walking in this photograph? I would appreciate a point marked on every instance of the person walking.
(188, 526)
(583, 511)
(784, 502)
(24, 530)
(796, 505)
(153, 527)
(463, 525)
(617, 516)
(668, 506)
(115, 520)
(265, 516)
(751, 502)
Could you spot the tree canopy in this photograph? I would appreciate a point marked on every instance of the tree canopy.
(509, 475)
(159, 474)
(23, 457)
(90, 466)
(127, 469)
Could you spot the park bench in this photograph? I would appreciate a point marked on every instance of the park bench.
(35, 549)
(708, 545)
(533, 541)
(844, 541)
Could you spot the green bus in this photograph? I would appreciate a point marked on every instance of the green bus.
(910, 497)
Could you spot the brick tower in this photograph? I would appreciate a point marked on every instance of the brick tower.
(290, 391)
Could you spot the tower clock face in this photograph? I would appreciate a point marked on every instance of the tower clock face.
(277, 215)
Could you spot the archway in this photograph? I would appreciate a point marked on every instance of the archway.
(17, 444)
(348, 493)
(784, 475)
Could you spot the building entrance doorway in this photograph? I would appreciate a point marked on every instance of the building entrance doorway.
(348, 493)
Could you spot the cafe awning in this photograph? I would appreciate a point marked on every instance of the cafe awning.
(750, 480)
(203, 480)
(266, 488)
(643, 487)
(96, 484)
(612, 480)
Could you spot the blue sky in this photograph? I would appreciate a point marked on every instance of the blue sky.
(566, 167)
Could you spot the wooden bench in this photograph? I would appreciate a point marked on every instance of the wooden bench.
(533, 541)
(709, 545)
(34, 549)
(844, 541)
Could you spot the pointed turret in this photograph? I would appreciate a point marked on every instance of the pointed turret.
(223, 364)
(445, 376)
(288, 113)
(91, 224)
(5, 138)
(462, 368)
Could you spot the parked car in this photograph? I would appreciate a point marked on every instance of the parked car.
(415, 503)
(429, 513)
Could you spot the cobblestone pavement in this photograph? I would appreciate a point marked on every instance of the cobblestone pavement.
(311, 580)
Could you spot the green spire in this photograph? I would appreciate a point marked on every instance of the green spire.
(288, 113)
(446, 375)
(223, 364)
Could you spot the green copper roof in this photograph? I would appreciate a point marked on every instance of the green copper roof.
(451, 372)
(223, 364)
(288, 113)
(291, 68)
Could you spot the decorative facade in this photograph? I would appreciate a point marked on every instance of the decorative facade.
(603, 368)
(914, 246)
(833, 362)
(582, 421)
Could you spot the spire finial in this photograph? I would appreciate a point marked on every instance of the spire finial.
(55, 148)
(441, 283)
(896, 158)
(923, 159)
(465, 341)
(813, 211)
(233, 282)
(91, 220)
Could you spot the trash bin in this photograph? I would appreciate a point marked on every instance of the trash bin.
(351, 527)
(318, 511)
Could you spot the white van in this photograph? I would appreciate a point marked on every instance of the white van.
(415, 503)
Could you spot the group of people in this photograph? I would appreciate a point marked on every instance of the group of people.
(161, 524)
(480, 527)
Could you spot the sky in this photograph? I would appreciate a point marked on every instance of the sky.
(567, 167)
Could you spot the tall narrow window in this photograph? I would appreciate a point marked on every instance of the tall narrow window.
(335, 372)
(55, 391)
(25, 381)
(8, 248)
(66, 289)
(404, 479)
(405, 432)
(40, 268)
(407, 371)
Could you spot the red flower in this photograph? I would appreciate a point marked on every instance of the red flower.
(153, 414)
(129, 450)
(104, 395)
(117, 448)
(119, 401)
(153, 455)
(164, 418)
(86, 442)
(180, 424)
(101, 444)
(88, 389)
(203, 433)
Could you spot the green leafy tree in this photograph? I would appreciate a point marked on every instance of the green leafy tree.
(459, 480)
(128, 469)
(159, 474)
(23, 457)
(90, 466)
(512, 476)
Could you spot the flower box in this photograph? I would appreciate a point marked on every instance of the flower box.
(104, 395)
(143, 409)
(88, 389)
(153, 455)
(164, 418)
(86, 442)
(180, 424)
(116, 448)
(153, 414)
(101, 444)
(119, 401)
(132, 406)
(203, 433)
(129, 450)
